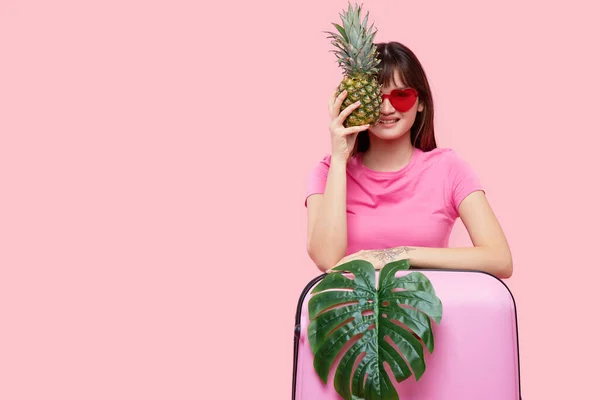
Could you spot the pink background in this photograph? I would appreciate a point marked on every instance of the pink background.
(153, 162)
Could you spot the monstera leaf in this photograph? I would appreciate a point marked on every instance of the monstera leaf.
(386, 324)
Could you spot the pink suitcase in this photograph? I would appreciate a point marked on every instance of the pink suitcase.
(476, 352)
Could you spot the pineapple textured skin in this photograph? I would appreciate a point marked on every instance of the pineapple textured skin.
(366, 90)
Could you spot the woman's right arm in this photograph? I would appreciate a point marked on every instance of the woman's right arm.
(327, 224)
(327, 230)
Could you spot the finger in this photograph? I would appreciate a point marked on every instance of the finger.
(338, 103)
(330, 270)
(348, 110)
(355, 129)
(331, 102)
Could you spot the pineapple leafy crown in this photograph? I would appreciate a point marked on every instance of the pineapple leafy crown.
(355, 50)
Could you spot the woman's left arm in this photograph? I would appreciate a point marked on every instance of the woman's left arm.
(490, 251)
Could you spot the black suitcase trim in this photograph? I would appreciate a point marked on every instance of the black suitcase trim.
(318, 278)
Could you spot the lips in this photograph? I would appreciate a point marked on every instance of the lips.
(388, 121)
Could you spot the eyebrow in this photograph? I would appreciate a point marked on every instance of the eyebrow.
(401, 86)
(397, 88)
(393, 83)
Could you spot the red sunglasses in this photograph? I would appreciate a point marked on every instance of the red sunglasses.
(402, 99)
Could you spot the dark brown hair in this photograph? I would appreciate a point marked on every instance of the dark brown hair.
(395, 56)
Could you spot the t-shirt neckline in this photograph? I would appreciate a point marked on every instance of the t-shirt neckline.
(413, 159)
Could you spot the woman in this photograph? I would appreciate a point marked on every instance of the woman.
(386, 192)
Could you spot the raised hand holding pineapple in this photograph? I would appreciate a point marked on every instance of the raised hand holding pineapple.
(342, 138)
(359, 92)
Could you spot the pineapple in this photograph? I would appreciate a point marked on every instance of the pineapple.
(357, 56)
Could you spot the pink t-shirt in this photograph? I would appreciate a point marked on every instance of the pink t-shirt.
(415, 206)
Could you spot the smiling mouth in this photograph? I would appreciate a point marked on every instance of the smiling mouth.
(388, 121)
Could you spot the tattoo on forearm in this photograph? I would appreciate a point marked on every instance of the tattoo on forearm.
(391, 254)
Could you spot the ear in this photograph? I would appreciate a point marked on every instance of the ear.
(420, 107)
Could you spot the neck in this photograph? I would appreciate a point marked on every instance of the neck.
(388, 155)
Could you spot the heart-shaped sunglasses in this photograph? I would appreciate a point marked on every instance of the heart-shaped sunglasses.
(402, 99)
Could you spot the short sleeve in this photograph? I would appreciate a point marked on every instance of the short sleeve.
(318, 178)
(461, 182)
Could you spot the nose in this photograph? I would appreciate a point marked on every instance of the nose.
(386, 107)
